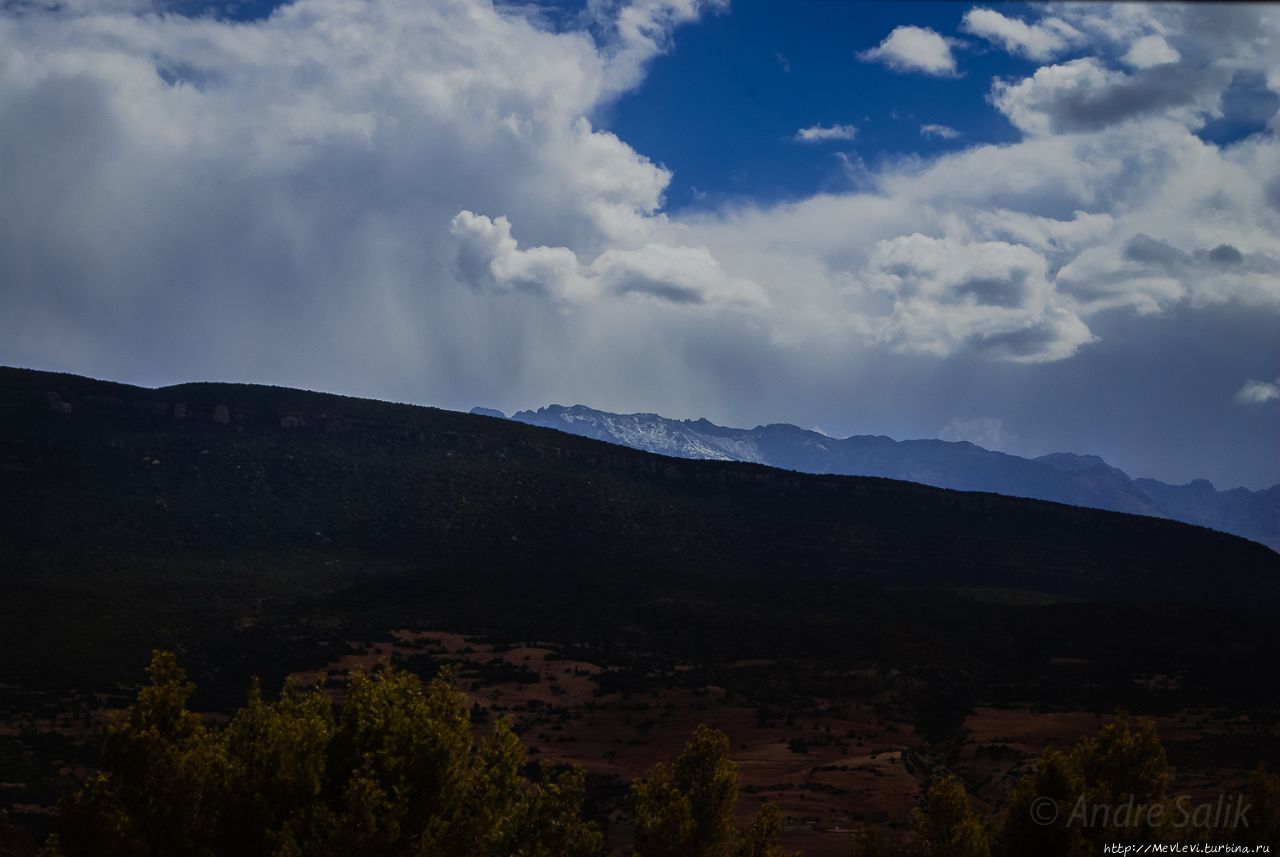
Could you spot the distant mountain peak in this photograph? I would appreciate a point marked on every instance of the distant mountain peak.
(1071, 462)
(1064, 477)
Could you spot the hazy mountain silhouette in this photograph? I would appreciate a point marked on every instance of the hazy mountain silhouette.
(1081, 480)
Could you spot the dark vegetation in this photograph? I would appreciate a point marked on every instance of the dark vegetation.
(256, 530)
(393, 770)
(390, 771)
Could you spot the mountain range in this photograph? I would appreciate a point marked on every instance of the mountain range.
(1080, 480)
(265, 531)
(245, 473)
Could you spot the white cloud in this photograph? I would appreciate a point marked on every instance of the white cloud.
(941, 132)
(1085, 95)
(1150, 50)
(991, 297)
(230, 184)
(292, 200)
(1258, 392)
(1040, 41)
(826, 133)
(488, 257)
(986, 432)
(1151, 275)
(917, 49)
(640, 30)
(682, 275)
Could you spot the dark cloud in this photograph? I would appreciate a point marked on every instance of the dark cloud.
(1145, 249)
(1085, 95)
(278, 201)
(1225, 254)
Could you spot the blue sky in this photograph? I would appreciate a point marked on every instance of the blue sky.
(698, 208)
(723, 107)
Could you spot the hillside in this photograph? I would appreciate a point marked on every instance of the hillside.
(1081, 480)
(266, 531)
(236, 471)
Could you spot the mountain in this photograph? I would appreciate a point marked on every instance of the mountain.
(1080, 480)
(236, 471)
(263, 531)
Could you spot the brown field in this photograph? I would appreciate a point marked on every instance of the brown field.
(835, 766)
(855, 768)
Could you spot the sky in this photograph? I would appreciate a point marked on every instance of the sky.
(1038, 227)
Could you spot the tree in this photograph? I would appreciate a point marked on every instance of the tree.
(499, 813)
(947, 826)
(277, 758)
(397, 759)
(1125, 759)
(760, 837)
(1075, 802)
(686, 809)
(1040, 808)
(390, 773)
(161, 775)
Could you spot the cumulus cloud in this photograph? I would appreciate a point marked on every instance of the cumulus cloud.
(941, 132)
(488, 257)
(1085, 95)
(1258, 392)
(826, 133)
(639, 30)
(992, 297)
(1150, 275)
(1150, 50)
(1040, 41)
(409, 200)
(914, 49)
(275, 199)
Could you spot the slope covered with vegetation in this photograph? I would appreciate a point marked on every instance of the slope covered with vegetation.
(258, 531)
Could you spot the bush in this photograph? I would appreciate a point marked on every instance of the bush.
(390, 771)
(686, 809)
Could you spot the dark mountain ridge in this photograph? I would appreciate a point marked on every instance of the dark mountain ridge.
(241, 472)
(1081, 480)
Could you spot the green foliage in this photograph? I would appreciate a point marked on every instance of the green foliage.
(948, 826)
(162, 774)
(398, 759)
(760, 837)
(392, 773)
(1125, 759)
(1056, 779)
(686, 809)
(1088, 787)
(277, 757)
(499, 813)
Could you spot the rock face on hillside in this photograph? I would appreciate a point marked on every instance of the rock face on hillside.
(1081, 480)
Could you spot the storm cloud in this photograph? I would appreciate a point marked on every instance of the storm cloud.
(423, 202)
